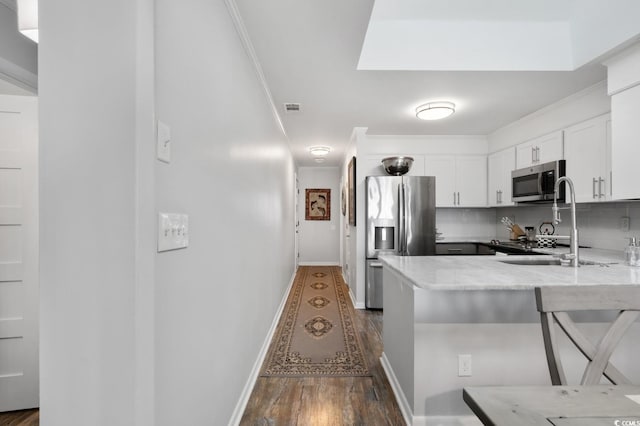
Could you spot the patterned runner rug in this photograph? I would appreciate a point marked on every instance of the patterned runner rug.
(316, 334)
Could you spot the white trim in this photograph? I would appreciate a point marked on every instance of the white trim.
(11, 4)
(255, 371)
(552, 106)
(248, 47)
(446, 421)
(407, 413)
(401, 399)
(18, 76)
(329, 263)
(356, 304)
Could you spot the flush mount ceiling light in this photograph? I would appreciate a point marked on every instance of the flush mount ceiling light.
(319, 150)
(435, 110)
(28, 18)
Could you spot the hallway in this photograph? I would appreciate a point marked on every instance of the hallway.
(320, 401)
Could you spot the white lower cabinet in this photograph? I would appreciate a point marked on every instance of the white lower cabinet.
(461, 180)
(587, 152)
(500, 165)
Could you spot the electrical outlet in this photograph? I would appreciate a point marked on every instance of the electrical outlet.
(464, 365)
(624, 223)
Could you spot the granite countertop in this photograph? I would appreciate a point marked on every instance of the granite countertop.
(488, 273)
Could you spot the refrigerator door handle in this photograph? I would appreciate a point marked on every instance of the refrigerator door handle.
(401, 220)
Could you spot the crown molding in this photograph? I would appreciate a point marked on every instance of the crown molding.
(11, 4)
(248, 47)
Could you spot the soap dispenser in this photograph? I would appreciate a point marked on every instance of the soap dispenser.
(632, 252)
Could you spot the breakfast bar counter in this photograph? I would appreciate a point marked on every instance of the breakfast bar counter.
(494, 273)
(456, 321)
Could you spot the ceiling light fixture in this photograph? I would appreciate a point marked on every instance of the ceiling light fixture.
(28, 18)
(435, 110)
(319, 150)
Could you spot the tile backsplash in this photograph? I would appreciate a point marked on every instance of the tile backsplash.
(599, 224)
(454, 222)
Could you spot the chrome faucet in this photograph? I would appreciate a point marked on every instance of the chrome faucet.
(573, 255)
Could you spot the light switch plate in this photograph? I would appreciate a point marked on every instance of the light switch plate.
(173, 231)
(163, 147)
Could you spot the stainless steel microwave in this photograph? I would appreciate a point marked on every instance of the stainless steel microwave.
(535, 184)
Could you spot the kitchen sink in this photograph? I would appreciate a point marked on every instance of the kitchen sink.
(546, 261)
(536, 261)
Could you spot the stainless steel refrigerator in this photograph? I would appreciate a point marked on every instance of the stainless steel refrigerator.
(401, 220)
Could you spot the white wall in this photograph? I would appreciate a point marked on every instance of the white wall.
(319, 240)
(349, 233)
(88, 237)
(576, 108)
(168, 338)
(233, 173)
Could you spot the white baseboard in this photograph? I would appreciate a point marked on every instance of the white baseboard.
(407, 413)
(401, 399)
(356, 304)
(446, 421)
(255, 371)
(319, 263)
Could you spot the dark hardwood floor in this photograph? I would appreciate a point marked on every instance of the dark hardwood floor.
(20, 418)
(320, 401)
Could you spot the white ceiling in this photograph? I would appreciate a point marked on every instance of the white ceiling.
(495, 35)
(309, 52)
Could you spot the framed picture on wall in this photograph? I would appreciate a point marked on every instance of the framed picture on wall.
(317, 204)
(351, 188)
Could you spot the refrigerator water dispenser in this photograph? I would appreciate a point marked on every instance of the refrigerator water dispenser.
(384, 237)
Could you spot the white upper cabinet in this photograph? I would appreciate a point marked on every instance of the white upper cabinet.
(500, 165)
(539, 150)
(444, 169)
(625, 144)
(461, 181)
(623, 85)
(586, 149)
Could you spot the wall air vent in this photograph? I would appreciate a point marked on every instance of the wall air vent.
(291, 108)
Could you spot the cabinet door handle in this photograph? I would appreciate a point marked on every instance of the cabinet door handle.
(533, 154)
(537, 154)
(595, 181)
(454, 198)
(497, 197)
(600, 185)
(458, 198)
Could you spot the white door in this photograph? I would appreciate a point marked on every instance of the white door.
(18, 253)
